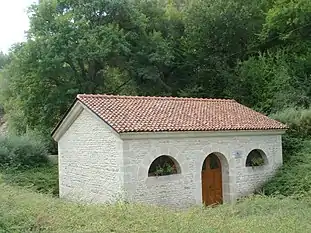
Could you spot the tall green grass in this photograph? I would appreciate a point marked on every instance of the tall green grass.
(26, 211)
(42, 179)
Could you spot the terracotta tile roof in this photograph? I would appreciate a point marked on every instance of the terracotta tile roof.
(151, 114)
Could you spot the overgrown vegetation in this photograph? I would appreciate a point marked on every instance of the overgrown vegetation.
(22, 152)
(257, 52)
(299, 122)
(42, 179)
(25, 211)
(24, 162)
(294, 178)
(162, 166)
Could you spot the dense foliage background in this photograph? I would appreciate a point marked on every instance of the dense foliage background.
(255, 51)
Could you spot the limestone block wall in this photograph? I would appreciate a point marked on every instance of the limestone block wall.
(249, 178)
(190, 150)
(90, 161)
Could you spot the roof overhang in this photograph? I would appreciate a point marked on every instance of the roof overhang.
(70, 116)
(199, 134)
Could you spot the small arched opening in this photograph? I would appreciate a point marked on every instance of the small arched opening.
(256, 158)
(164, 165)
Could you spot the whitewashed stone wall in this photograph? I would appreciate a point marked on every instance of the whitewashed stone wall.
(190, 151)
(90, 161)
(249, 178)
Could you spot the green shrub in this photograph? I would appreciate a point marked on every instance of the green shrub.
(299, 123)
(297, 119)
(294, 178)
(40, 179)
(22, 152)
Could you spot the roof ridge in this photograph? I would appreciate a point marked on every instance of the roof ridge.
(154, 97)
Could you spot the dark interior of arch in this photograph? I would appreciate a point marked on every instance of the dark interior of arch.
(213, 162)
(163, 166)
(255, 159)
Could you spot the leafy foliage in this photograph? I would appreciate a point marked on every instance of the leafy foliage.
(293, 179)
(22, 152)
(299, 123)
(257, 52)
(163, 166)
(3, 60)
(217, 34)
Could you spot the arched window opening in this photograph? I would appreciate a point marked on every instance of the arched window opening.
(256, 158)
(163, 166)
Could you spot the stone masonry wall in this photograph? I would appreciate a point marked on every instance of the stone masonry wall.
(90, 161)
(249, 178)
(185, 189)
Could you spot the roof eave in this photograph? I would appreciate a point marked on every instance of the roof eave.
(196, 134)
(71, 114)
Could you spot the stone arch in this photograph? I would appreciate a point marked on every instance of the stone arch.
(221, 157)
(224, 172)
(155, 152)
(256, 158)
(164, 165)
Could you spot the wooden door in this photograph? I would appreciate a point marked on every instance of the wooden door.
(211, 180)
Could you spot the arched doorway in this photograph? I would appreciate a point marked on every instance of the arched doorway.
(212, 180)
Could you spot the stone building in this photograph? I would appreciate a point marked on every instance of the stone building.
(164, 150)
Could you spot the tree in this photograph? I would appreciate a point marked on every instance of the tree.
(257, 52)
(87, 47)
(218, 34)
(3, 60)
(279, 76)
(287, 23)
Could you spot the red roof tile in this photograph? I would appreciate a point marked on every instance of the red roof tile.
(153, 114)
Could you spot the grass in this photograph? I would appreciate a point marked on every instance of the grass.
(26, 211)
(41, 179)
(28, 204)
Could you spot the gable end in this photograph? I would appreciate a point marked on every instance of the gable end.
(72, 114)
(67, 120)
